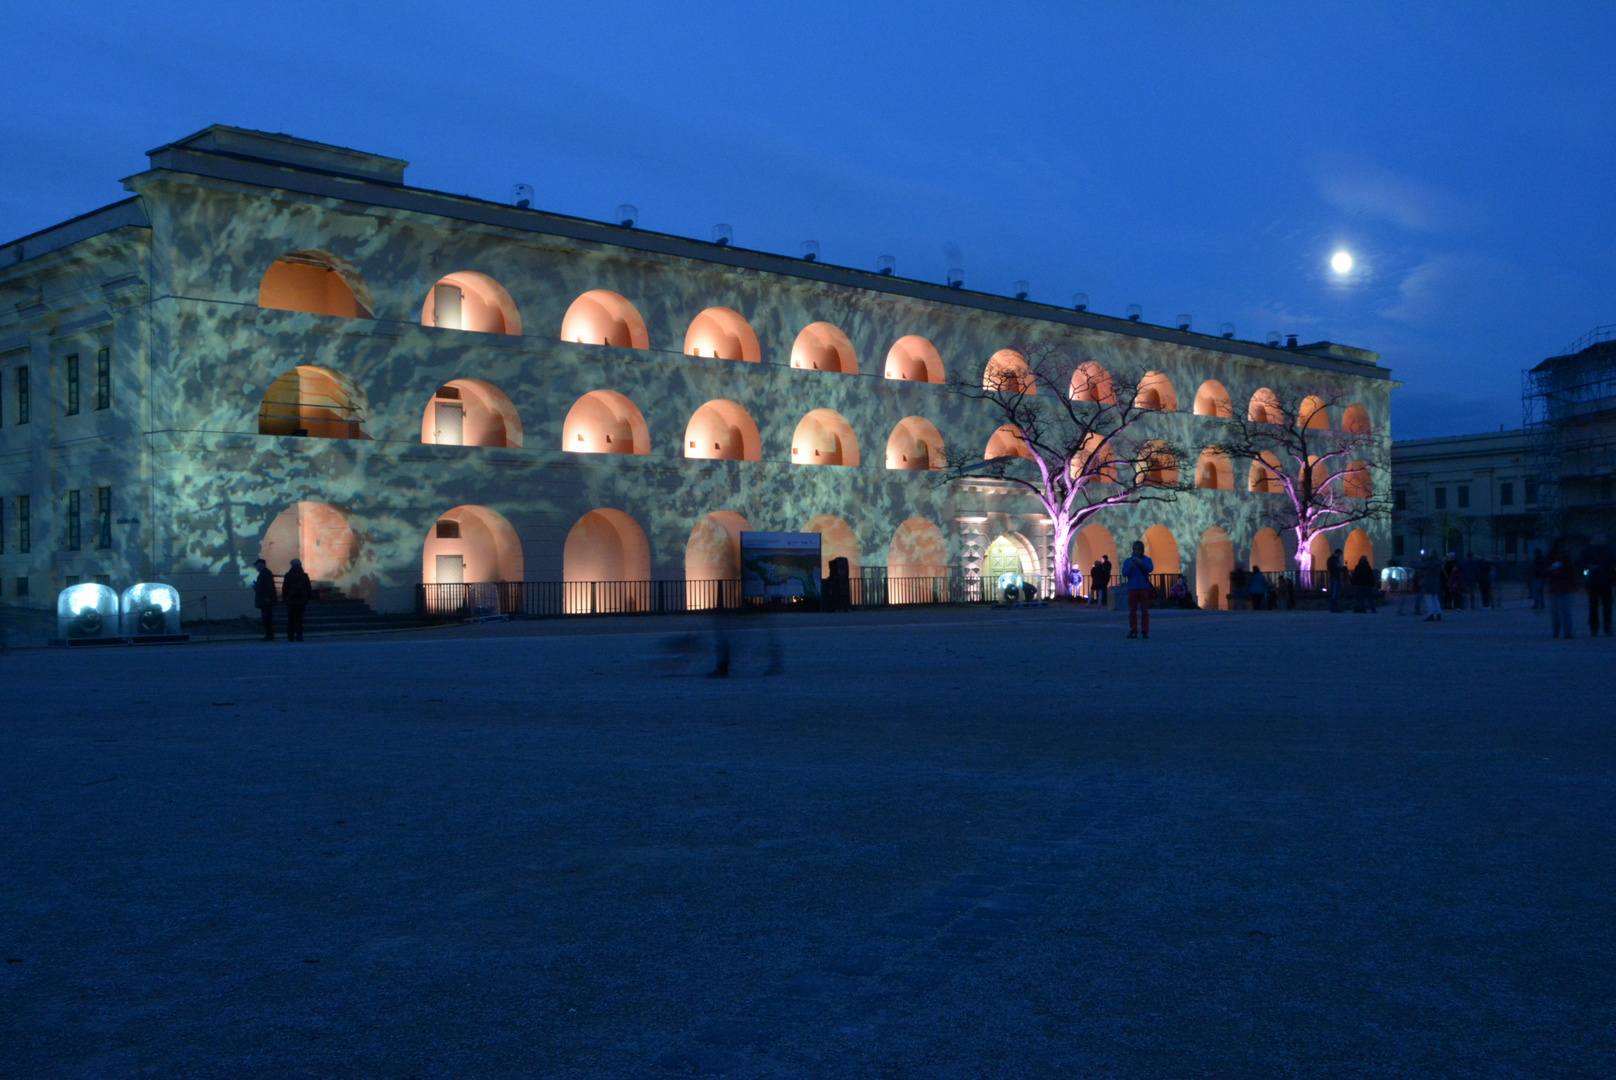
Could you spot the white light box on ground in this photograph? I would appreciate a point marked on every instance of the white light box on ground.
(151, 610)
(87, 614)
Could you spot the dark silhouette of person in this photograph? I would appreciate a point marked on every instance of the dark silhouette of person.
(1336, 570)
(1484, 581)
(1562, 587)
(1100, 575)
(1599, 570)
(1363, 583)
(264, 598)
(296, 590)
(1257, 589)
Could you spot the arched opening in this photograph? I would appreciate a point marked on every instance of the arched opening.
(312, 402)
(824, 437)
(1214, 562)
(1091, 543)
(602, 317)
(316, 282)
(1162, 550)
(1097, 459)
(318, 534)
(471, 544)
(1157, 464)
(1357, 547)
(1356, 482)
(1007, 442)
(1213, 400)
(1009, 560)
(1268, 551)
(471, 412)
(723, 333)
(918, 550)
(1355, 419)
(1214, 471)
(915, 444)
(1264, 475)
(1264, 408)
(1313, 414)
(467, 300)
(1091, 382)
(1318, 550)
(712, 555)
(605, 546)
(723, 430)
(605, 422)
(1321, 472)
(1156, 392)
(836, 540)
(914, 359)
(823, 347)
(1007, 371)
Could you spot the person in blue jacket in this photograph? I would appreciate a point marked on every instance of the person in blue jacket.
(1136, 571)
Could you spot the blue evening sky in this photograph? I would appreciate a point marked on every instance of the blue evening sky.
(1187, 157)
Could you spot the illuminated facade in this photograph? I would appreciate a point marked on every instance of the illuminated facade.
(277, 347)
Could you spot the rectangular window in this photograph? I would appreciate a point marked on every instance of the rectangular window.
(22, 586)
(103, 579)
(1397, 545)
(1531, 493)
(103, 379)
(1400, 499)
(25, 526)
(103, 517)
(1506, 494)
(22, 395)
(69, 580)
(73, 539)
(73, 385)
(448, 530)
(1464, 496)
(1439, 498)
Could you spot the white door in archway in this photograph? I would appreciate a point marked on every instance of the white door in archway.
(450, 423)
(451, 570)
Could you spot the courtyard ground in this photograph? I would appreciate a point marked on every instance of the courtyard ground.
(948, 843)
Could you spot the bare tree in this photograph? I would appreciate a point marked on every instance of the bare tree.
(1329, 478)
(1069, 435)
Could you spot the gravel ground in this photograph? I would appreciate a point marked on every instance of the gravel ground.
(949, 843)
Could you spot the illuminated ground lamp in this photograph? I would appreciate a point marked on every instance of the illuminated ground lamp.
(151, 614)
(87, 615)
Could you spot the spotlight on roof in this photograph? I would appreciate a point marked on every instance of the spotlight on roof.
(1290, 341)
(722, 235)
(628, 215)
(1080, 301)
(1135, 312)
(1272, 338)
(522, 195)
(887, 265)
(1022, 289)
(1227, 330)
(810, 251)
(956, 278)
(1183, 322)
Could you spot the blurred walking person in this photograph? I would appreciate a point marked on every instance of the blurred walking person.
(1599, 573)
(264, 598)
(1363, 583)
(1562, 587)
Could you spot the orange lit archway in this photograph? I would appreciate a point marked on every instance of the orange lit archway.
(1007, 442)
(824, 437)
(1157, 464)
(316, 533)
(602, 317)
(605, 422)
(713, 556)
(723, 430)
(467, 300)
(918, 550)
(723, 333)
(471, 412)
(605, 545)
(836, 540)
(1357, 547)
(1268, 551)
(1356, 482)
(1264, 407)
(1007, 371)
(914, 359)
(1213, 400)
(1264, 475)
(471, 544)
(1156, 392)
(1214, 562)
(1091, 542)
(915, 444)
(1214, 471)
(315, 282)
(822, 346)
(1162, 550)
(1091, 382)
(1355, 419)
(312, 402)
(1313, 414)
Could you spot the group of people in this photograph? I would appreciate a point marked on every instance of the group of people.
(1561, 576)
(295, 592)
(1452, 584)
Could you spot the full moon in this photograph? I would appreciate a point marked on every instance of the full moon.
(1341, 262)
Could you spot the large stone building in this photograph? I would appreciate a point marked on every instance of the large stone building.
(276, 346)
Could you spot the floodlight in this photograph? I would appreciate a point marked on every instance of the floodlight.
(628, 215)
(1021, 289)
(87, 614)
(151, 612)
(887, 265)
(810, 250)
(956, 278)
(723, 235)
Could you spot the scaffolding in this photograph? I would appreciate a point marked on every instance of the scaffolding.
(1568, 405)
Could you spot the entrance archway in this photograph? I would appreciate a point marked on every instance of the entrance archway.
(1214, 562)
(1091, 382)
(606, 546)
(471, 412)
(917, 556)
(471, 544)
(1357, 547)
(836, 540)
(1007, 442)
(1268, 552)
(1091, 542)
(712, 557)
(1162, 550)
(318, 534)
(1315, 574)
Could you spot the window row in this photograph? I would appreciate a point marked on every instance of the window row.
(99, 379)
(18, 531)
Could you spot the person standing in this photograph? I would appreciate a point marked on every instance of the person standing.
(264, 598)
(1101, 572)
(1335, 570)
(1257, 589)
(1136, 571)
(296, 590)
(1599, 568)
(1074, 581)
(1237, 588)
(1363, 583)
(1431, 586)
(1562, 587)
(1484, 581)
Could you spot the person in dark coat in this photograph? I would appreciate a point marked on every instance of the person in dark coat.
(1363, 583)
(1336, 571)
(1100, 579)
(1599, 574)
(297, 590)
(264, 598)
